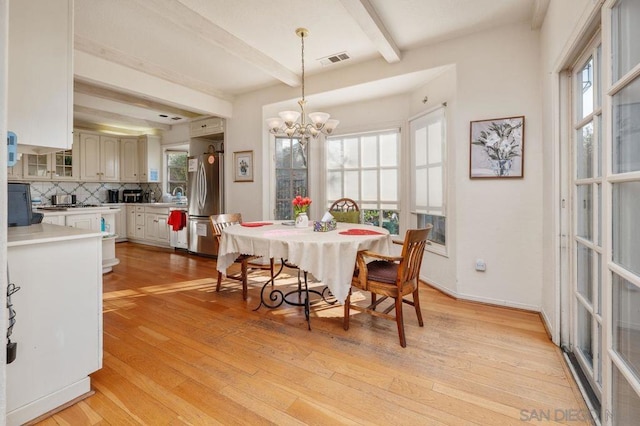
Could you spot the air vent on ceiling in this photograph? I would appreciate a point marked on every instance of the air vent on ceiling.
(176, 118)
(335, 58)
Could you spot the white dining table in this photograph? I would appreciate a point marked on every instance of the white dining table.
(329, 256)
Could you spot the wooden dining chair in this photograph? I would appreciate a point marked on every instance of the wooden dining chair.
(218, 223)
(392, 277)
(345, 210)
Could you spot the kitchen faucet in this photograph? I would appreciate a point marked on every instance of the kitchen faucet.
(174, 190)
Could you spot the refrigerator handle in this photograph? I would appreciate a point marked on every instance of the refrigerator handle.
(202, 186)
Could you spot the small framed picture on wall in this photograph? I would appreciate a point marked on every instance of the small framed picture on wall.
(497, 148)
(243, 166)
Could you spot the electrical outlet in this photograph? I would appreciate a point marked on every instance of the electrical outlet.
(480, 265)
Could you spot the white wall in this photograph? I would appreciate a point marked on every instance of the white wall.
(4, 28)
(563, 21)
(497, 75)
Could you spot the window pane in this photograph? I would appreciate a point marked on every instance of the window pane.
(598, 143)
(626, 322)
(298, 155)
(334, 153)
(435, 143)
(299, 180)
(584, 274)
(626, 130)
(584, 211)
(369, 151)
(352, 185)
(389, 150)
(369, 185)
(437, 234)
(421, 188)
(626, 403)
(388, 184)
(585, 82)
(599, 283)
(584, 148)
(584, 334)
(390, 221)
(626, 231)
(420, 142)
(351, 158)
(334, 185)
(435, 187)
(626, 33)
(283, 153)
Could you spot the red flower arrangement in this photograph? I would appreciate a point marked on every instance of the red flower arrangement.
(300, 204)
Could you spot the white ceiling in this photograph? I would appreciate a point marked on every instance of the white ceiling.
(224, 48)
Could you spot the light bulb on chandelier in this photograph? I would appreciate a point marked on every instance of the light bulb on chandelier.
(288, 123)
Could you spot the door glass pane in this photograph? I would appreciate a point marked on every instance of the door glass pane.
(585, 272)
(626, 228)
(585, 85)
(599, 356)
(598, 76)
(626, 128)
(626, 322)
(584, 334)
(599, 221)
(626, 402)
(584, 211)
(625, 33)
(584, 151)
(599, 283)
(598, 144)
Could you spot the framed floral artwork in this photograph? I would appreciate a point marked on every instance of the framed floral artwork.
(243, 166)
(497, 148)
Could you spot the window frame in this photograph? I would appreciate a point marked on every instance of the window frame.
(438, 113)
(365, 205)
(168, 167)
(292, 170)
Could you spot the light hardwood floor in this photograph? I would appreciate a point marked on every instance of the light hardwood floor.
(177, 352)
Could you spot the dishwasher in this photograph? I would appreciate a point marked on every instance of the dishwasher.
(179, 238)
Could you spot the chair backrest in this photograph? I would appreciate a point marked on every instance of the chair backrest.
(345, 210)
(412, 253)
(221, 221)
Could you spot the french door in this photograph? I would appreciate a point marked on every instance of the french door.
(605, 218)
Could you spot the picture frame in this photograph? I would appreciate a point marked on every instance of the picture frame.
(243, 166)
(496, 148)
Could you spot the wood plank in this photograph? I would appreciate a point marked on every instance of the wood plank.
(176, 351)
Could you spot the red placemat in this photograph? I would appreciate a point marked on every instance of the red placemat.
(255, 224)
(360, 232)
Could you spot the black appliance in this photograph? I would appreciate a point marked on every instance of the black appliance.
(19, 204)
(113, 195)
(132, 195)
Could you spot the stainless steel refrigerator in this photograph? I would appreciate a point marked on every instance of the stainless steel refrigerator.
(206, 198)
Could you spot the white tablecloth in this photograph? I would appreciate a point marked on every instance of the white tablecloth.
(328, 256)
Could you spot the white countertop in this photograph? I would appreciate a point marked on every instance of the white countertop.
(45, 233)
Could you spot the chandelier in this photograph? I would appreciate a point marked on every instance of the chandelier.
(288, 123)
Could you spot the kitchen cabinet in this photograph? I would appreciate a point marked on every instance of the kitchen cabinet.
(55, 166)
(131, 221)
(206, 126)
(54, 220)
(59, 318)
(99, 158)
(40, 74)
(129, 162)
(156, 228)
(120, 228)
(138, 231)
(90, 221)
(15, 172)
(150, 158)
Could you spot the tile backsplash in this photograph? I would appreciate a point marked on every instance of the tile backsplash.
(86, 192)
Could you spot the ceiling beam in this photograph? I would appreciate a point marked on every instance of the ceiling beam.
(365, 15)
(104, 93)
(539, 12)
(112, 55)
(190, 20)
(85, 125)
(122, 118)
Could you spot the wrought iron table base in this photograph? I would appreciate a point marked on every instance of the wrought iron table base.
(277, 297)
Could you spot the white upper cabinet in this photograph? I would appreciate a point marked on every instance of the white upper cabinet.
(129, 162)
(40, 76)
(150, 158)
(99, 158)
(206, 126)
